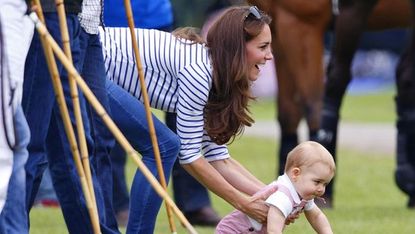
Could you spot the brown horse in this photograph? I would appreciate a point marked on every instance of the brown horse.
(349, 26)
(298, 32)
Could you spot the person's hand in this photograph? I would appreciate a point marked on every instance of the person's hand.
(291, 218)
(256, 207)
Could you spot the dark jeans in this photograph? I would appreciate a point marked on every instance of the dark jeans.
(49, 143)
(93, 72)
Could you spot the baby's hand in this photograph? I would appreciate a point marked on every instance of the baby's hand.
(291, 218)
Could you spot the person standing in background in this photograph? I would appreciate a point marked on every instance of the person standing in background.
(6, 112)
(191, 197)
(16, 32)
(49, 143)
(93, 72)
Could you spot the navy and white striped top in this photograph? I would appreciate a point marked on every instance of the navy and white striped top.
(178, 78)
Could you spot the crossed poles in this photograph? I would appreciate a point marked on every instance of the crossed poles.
(51, 48)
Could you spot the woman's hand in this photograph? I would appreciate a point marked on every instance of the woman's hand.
(256, 207)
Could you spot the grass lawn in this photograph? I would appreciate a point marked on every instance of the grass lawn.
(366, 200)
(367, 108)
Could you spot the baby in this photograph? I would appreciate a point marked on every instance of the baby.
(308, 170)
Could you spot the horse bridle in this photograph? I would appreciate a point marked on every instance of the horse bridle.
(335, 7)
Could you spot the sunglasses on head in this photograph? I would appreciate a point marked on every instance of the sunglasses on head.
(253, 10)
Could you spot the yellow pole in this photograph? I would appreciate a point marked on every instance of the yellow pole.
(75, 100)
(57, 85)
(153, 135)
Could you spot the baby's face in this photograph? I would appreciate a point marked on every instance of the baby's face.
(311, 181)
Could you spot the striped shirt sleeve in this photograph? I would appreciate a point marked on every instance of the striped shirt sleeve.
(194, 86)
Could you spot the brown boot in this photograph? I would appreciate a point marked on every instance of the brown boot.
(411, 202)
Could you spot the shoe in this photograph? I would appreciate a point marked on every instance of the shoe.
(47, 203)
(122, 218)
(205, 216)
(324, 202)
(411, 203)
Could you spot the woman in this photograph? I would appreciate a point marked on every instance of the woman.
(208, 86)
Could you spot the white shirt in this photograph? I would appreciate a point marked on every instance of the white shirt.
(90, 17)
(284, 203)
(286, 199)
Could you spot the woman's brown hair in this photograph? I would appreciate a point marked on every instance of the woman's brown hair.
(189, 33)
(226, 113)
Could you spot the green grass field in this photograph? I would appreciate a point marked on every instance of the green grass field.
(374, 107)
(366, 200)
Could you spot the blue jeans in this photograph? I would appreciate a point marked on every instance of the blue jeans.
(49, 142)
(129, 115)
(189, 194)
(93, 72)
(121, 197)
(13, 218)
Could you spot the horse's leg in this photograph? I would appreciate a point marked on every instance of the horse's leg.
(298, 47)
(349, 25)
(288, 103)
(405, 105)
(390, 14)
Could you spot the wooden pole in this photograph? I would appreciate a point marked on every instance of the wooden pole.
(57, 86)
(110, 123)
(75, 100)
(153, 135)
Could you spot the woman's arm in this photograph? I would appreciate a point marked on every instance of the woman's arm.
(226, 186)
(238, 176)
(318, 221)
